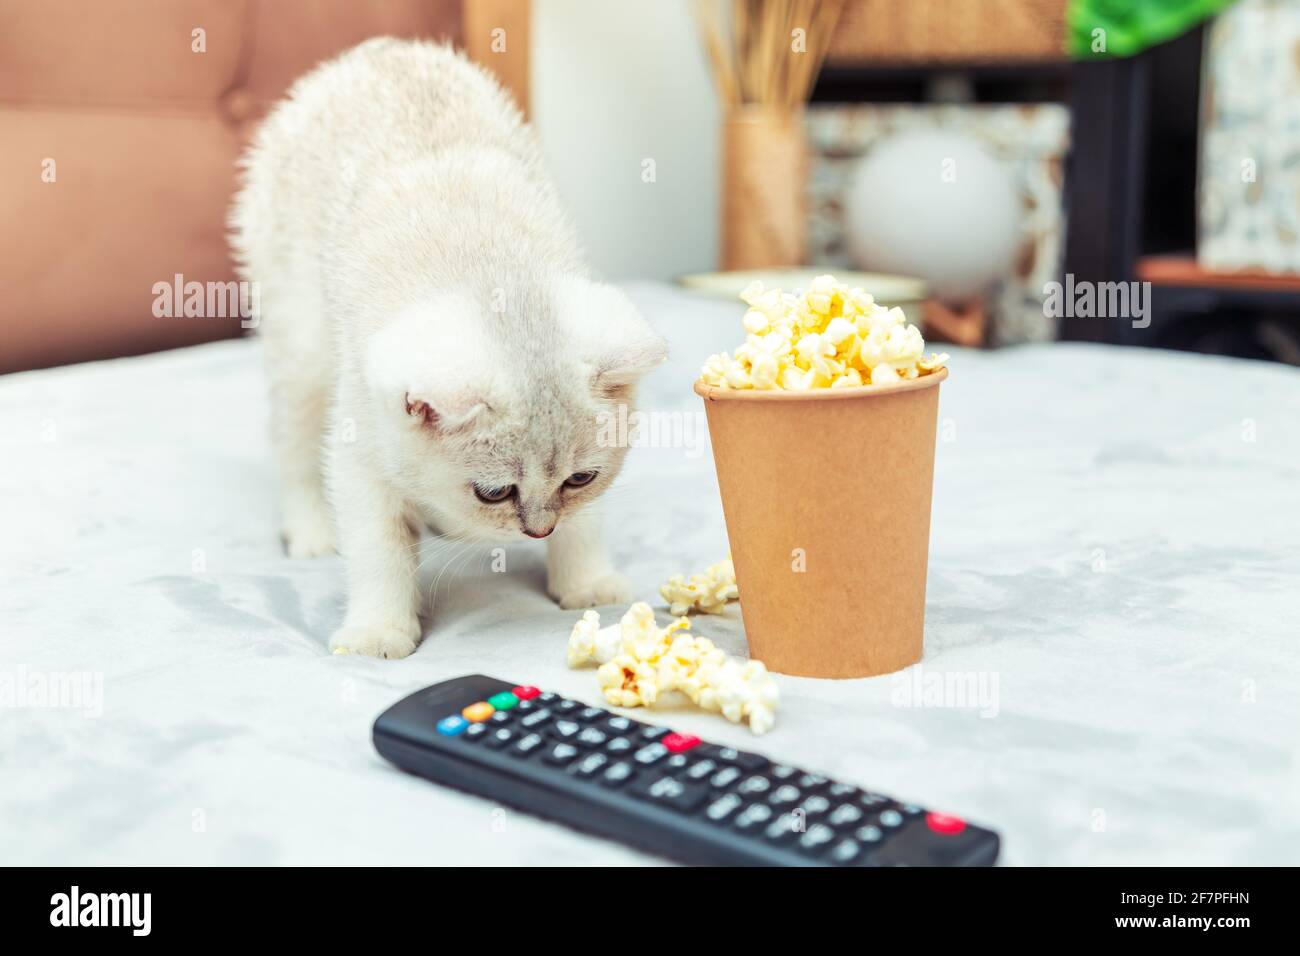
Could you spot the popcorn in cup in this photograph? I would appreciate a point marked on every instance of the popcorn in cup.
(823, 430)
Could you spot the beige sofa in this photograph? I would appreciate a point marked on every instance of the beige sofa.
(121, 121)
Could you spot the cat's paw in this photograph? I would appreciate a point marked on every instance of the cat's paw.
(605, 587)
(374, 640)
(307, 534)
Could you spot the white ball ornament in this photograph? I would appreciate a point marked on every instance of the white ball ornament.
(938, 206)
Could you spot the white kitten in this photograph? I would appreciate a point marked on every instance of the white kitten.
(432, 336)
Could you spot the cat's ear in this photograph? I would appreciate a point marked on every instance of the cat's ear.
(416, 366)
(610, 336)
(440, 412)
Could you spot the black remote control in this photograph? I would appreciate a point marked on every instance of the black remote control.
(669, 793)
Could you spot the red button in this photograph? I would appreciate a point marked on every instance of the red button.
(945, 824)
(524, 692)
(679, 743)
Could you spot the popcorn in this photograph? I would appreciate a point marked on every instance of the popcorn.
(590, 642)
(650, 661)
(708, 592)
(628, 682)
(831, 336)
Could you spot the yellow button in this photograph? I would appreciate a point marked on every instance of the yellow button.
(478, 712)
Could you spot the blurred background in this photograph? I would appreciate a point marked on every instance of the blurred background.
(965, 154)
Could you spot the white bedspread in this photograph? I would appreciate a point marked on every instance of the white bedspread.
(1116, 544)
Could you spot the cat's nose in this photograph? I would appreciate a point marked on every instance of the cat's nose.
(538, 534)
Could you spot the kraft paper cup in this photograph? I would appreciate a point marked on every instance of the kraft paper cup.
(826, 494)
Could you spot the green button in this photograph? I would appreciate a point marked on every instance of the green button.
(503, 701)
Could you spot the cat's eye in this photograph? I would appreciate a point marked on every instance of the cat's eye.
(492, 496)
(580, 478)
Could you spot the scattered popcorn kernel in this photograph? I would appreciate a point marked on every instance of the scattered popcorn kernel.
(650, 661)
(628, 682)
(708, 591)
(761, 720)
(643, 639)
(830, 336)
(590, 642)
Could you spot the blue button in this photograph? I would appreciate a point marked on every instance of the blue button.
(451, 726)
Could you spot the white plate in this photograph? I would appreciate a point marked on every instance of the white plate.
(886, 289)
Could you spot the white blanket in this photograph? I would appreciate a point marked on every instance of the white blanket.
(1115, 564)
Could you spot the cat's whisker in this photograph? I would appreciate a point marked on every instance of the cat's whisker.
(448, 551)
(433, 585)
(455, 564)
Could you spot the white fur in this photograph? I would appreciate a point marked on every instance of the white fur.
(412, 254)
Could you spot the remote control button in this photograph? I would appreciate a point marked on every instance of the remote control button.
(547, 697)
(911, 810)
(479, 711)
(566, 706)
(650, 753)
(619, 745)
(588, 765)
(561, 754)
(671, 792)
(527, 744)
(453, 725)
(873, 801)
(783, 796)
(532, 719)
(815, 805)
(475, 731)
(591, 713)
(501, 717)
(591, 737)
(564, 729)
(526, 692)
(617, 774)
(619, 724)
(700, 769)
(809, 782)
(782, 772)
(743, 760)
(675, 763)
(654, 733)
(723, 807)
(753, 816)
(841, 790)
(500, 737)
(816, 839)
(845, 815)
(726, 777)
(869, 834)
(784, 828)
(524, 706)
(755, 785)
(945, 824)
(504, 700)
(845, 852)
(680, 743)
(890, 819)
